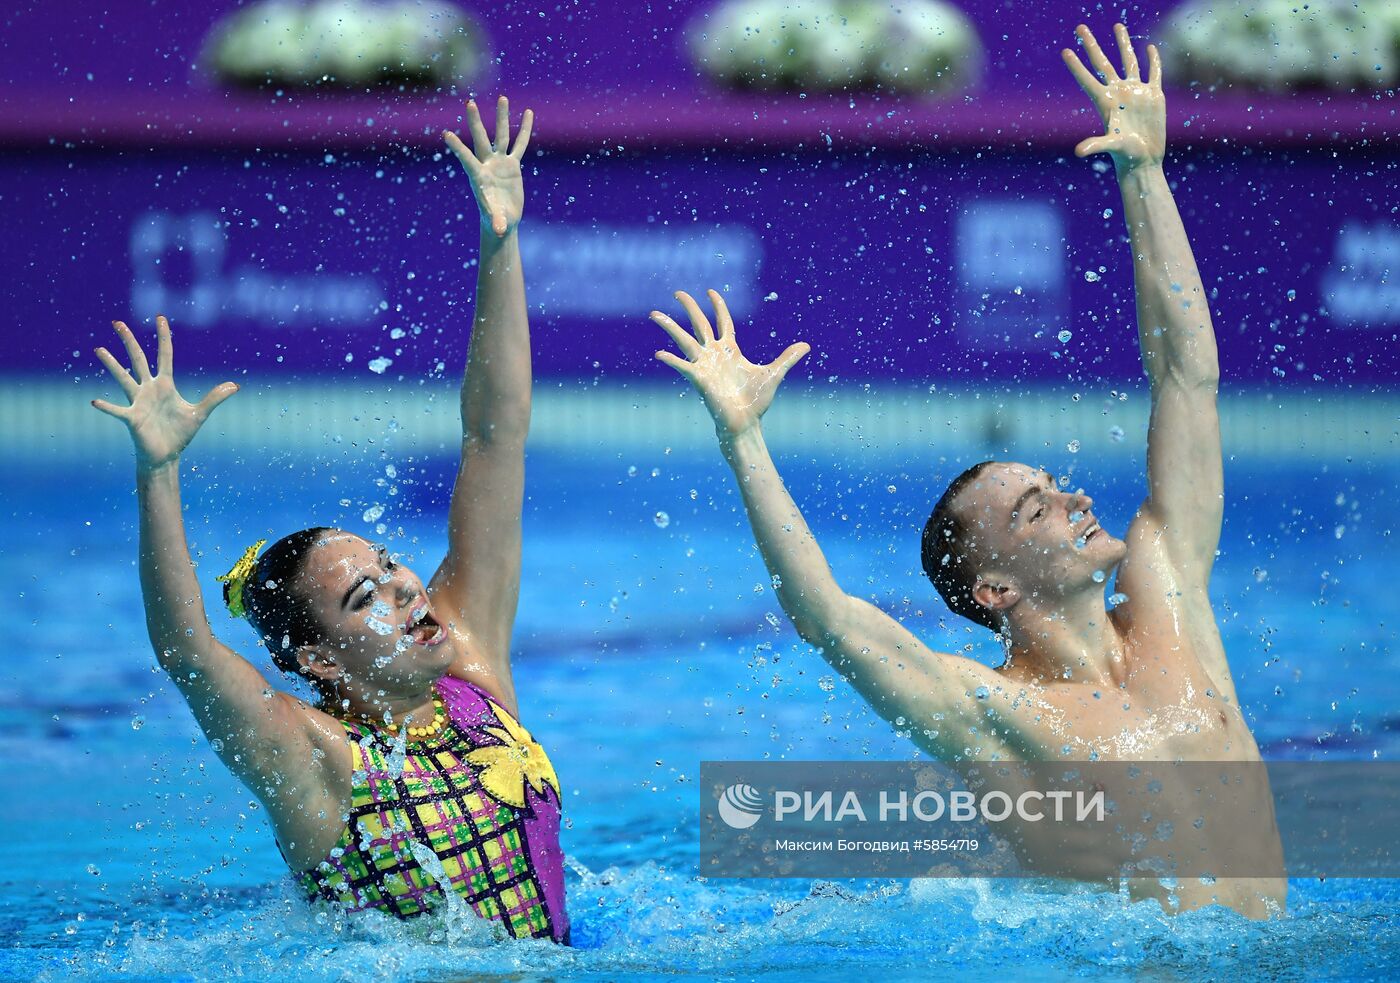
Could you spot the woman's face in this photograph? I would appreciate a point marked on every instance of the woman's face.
(379, 627)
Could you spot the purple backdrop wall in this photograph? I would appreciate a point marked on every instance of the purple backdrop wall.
(350, 241)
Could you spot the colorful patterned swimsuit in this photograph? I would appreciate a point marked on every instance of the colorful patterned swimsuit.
(477, 804)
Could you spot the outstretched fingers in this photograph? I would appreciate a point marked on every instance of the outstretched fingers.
(480, 143)
(522, 136)
(722, 318)
(1131, 72)
(118, 371)
(683, 339)
(117, 411)
(685, 368)
(699, 323)
(459, 148)
(214, 397)
(789, 358)
(165, 349)
(1096, 56)
(139, 366)
(502, 125)
(1082, 75)
(1093, 145)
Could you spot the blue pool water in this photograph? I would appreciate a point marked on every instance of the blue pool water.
(645, 644)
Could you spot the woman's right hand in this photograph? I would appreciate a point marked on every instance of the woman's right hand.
(161, 423)
(736, 391)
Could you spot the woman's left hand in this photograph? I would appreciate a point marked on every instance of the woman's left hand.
(1134, 112)
(494, 169)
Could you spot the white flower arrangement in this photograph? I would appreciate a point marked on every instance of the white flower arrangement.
(922, 46)
(1284, 44)
(346, 43)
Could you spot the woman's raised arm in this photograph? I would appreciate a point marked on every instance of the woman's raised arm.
(265, 737)
(479, 581)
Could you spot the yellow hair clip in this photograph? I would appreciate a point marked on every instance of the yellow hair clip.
(239, 575)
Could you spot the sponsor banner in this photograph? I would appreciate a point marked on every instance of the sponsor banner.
(901, 267)
(1080, 820)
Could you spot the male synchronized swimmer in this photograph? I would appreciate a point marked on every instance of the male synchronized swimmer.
(1009, 549)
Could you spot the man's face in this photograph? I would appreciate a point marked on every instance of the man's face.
(378, 623)
(1027, 533)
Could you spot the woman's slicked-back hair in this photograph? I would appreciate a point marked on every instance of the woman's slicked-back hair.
(280, 614)
(946, 558)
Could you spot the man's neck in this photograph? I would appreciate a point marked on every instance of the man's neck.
(1069, 640)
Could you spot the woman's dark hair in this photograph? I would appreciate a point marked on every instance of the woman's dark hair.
(281, 615)
(945, 555)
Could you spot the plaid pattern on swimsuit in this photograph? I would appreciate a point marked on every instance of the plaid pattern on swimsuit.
(475, 806)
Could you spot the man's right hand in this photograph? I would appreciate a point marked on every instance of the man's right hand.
(735, 390)
(1134, 112)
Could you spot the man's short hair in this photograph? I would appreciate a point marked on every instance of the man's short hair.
(947, 558)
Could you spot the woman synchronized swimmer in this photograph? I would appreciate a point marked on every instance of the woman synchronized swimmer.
(412, 775)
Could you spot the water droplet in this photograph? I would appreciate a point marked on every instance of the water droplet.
(1072, 447)
(137, 722)
(1065, 336)
(94, 870)
(1115, 433)
(981, 692)
(1099, 577)
(1091, 276)
(1117, 598)
(378, 365)
(661, 519)
(1108, 213)
(373, 513)
(1292, 295)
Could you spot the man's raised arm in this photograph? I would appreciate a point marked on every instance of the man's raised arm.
(898, 675)
(1185, 485)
